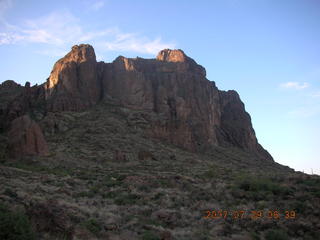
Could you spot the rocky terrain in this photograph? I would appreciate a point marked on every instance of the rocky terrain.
(141, 149)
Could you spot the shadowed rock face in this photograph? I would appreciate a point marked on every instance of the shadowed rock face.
(8, 110)
(236, 128)
(26, 138)
(192, 112)
(173, 86)
(16, 100)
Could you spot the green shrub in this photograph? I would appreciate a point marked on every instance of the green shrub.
(118, 177)
(255, 236)
(3, 156)
(14, 225)
(158, 196)
(109, 195)
(309, 181)
(92, 225)
(3, 149)
(114, 180)
(263, 185)
(144, 188)
(316, 194)
(148, 235)
(299, 206)
(9, 192)
(125, 199)
(165, 183)
(88, 194)
(276, 234)
(210, 173)
(95, 189)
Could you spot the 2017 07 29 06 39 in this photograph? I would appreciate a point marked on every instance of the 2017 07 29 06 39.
(253, 214)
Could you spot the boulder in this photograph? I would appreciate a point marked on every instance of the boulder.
(25, 138)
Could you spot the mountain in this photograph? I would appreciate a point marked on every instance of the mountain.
(142, 149)
(191, 112)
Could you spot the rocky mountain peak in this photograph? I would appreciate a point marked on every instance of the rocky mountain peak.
(81, 53)
(180, 60)
(73, 82)
(168, 55)
(123, 63)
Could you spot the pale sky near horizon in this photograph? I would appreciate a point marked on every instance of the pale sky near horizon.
(266, 50)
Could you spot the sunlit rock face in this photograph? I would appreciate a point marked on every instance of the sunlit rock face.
(73, 83)
(191, 112)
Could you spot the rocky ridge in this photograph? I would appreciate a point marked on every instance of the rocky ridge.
(191, 112)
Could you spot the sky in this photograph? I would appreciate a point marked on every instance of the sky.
(266, 50)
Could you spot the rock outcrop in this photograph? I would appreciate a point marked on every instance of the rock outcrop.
(191, 112)
(73, 83)
(175, 88)
(17, 100)
(26, 138)
(9, 91)
(182, 61)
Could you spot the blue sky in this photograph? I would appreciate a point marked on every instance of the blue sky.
(267, 50)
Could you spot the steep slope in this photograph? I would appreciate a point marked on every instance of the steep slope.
(105, 179)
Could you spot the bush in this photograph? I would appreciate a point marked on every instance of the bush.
(299, 206)
(92, 225)
(14, 225)
(276, 235)
(3, 156)
(114, 180)
(158, 196)
(9, 192)
(3, 149)
(254, 184)
(148, 235)
(254, 236)
(88, 194)
(109, 195)
(309, 181)
(211, 173)
(127, 199)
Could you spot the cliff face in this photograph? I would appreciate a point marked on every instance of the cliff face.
(192, 112)
(236, 127)
(174, 87)
(73, 83)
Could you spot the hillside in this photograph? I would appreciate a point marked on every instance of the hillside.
(142, 149)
